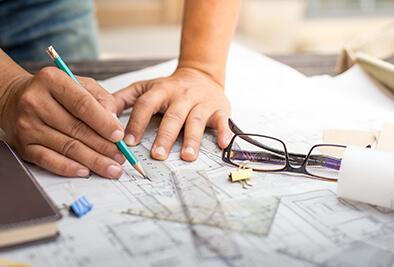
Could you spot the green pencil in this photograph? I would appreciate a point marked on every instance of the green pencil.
(121, 144)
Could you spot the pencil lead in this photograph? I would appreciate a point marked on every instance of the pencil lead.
(146, 177)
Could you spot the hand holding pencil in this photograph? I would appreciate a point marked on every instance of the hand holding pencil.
(121, 144)
(55, 123)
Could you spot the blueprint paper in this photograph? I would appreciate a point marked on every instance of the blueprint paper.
(312, 226)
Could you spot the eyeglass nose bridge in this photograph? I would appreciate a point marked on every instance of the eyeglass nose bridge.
(295, 169)
(299, 169)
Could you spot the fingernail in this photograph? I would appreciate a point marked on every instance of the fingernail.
(227, 141)
(117, 136)
(83, 173)
(129, 139)
(190, 151)
(160, 150)
(119, 158)
(114, 171)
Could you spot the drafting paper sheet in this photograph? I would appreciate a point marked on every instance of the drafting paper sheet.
(312, 226)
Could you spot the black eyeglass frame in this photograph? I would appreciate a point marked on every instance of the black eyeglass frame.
(301, 159)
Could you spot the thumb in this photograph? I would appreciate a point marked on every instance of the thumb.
(127, 97)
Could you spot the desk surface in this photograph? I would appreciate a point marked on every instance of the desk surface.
(100, 70)
(308, 64)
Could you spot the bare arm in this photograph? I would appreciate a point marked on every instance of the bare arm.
(194, 94)
(208, 29)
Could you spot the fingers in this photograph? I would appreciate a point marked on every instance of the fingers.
(219, 121)
(147, 105)
(71, 126)
(194, 131)
(54, 162)
(81, 103)
(80, 157)
(45, 128)
(170, 126)
(187, 98)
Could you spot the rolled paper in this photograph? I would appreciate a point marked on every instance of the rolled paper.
(367, 175)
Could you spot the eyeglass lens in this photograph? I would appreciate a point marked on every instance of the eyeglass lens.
(325, 161)
(262, 153)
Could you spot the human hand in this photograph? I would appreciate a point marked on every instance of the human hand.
(188, 97)
(67, 129)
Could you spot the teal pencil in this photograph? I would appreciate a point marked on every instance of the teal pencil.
(121, 144)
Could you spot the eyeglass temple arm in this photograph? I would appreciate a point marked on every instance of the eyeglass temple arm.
(257, 156)
(235, 129)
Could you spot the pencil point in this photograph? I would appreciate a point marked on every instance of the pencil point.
(138, 167)
(146, 177)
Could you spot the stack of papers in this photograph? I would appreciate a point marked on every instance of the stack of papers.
(312, 226)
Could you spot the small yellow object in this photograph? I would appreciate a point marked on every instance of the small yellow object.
(241, 175)
(9, 263)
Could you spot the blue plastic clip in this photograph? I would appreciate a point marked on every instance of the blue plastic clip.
(81, 205)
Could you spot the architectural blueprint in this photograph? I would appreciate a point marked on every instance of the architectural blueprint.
(284, 220)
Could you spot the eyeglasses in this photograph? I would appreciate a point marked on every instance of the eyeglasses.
(268, 154)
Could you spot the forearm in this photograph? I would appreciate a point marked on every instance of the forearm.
(9, 73)
(208, 28)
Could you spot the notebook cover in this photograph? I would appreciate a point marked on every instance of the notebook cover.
(22, 200)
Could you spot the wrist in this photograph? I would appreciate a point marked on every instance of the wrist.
(210, 70)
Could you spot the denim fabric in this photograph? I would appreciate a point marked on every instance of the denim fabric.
(28, 27)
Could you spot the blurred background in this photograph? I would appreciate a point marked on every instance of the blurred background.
(150, 29)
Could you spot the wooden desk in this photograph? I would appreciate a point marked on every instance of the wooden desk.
(308, 64)
(100, 70)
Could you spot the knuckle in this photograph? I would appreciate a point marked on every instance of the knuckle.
(165, 88)
(158, 83)
(167, 135)
(188, 92)
(145, 102)
(193, 139)
(110, 99)
(197, 120)
(22, 126)
(110, 102)
(175, 115)
(106, 148)
(29, 101)
(45, 160)
(70, 148)
(47, 74)
(96, 163)
(77, 129)
(81, 104)
(89, 80)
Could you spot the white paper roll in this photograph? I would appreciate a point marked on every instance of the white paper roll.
(367, 175)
